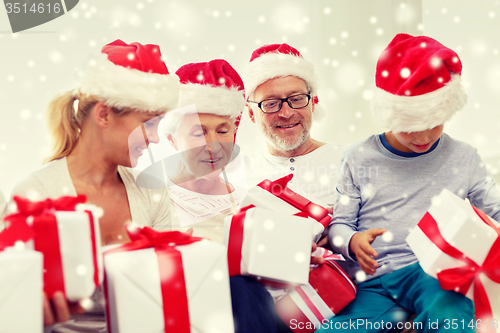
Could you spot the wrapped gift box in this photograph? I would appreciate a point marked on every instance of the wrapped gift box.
(153, 285)
(66, 232)
(305, 308)
(454, 242)
(268, 245)
(276, 196)
(21, 291)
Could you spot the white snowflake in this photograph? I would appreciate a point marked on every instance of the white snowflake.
(387, 236)
(300, 257)
(25, 114)
(368, 96)
(405, 73)
(360, 276)
(86, 303)
(338, 241)
(81, 270)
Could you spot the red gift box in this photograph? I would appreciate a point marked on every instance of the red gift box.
(307, 307)
(54, 227)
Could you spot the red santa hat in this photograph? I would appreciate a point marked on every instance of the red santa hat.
(279, 60)
(418, 84)
(213, 87)
(131, 76)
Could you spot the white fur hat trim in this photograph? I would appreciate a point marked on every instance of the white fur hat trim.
(422, 112)
(122, 87)
(221, 101)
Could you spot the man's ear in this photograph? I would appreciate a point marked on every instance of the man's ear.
(101, 115)
(251, 114)
(171, 139)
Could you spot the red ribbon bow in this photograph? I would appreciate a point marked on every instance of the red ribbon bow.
(173, 284)
(461, 278)
(19, 230)
(279, 189)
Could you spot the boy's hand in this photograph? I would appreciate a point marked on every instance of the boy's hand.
(360, 246)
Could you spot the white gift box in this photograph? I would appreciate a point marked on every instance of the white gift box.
(273, 245)
(80, 251)
(463, 229)
(21, 288)
(261, 198)
(134, 295)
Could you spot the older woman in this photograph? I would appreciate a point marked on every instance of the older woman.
(118, 106)
(203, 131)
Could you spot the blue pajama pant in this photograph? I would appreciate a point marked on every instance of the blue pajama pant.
(385, 303)
(253, 308)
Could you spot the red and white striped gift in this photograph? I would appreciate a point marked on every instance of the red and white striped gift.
(307, 307)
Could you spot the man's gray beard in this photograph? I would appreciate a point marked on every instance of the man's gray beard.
(281, 144)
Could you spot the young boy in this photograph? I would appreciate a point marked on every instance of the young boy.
(387, 183)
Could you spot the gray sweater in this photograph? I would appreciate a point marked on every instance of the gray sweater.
(378, 188)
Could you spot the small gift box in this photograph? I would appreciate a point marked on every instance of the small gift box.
(268, 245)
(460, 246)
(307, 307)
(167, 282)
(20, 290)
(66, 232)
(276, 196)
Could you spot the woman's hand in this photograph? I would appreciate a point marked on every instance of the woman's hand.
(58, 309)
(360, 245)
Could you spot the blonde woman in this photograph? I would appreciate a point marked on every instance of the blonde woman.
(99, 130)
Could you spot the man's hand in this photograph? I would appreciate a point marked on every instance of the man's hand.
(360, 246)
(58, 309)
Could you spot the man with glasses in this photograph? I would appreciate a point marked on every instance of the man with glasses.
(281, 91)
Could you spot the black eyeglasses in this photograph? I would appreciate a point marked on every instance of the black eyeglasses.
(274, 105)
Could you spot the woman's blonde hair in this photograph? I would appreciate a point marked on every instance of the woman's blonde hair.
(65, 115)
